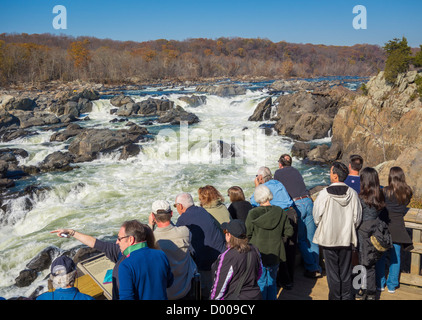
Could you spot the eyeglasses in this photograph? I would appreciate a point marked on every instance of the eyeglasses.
(120, 238)
(175, 205)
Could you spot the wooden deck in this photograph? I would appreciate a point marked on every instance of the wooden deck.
(317, 289)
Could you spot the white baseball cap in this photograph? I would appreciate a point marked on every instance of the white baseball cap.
(161, 205)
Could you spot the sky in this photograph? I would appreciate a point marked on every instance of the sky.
(328, 22)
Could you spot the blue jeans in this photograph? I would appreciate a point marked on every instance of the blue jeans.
(306, 231)
(267, 283)
(392, 281)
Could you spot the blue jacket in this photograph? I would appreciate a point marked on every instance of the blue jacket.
(145, 275)
(65, 294)
(208, 240)
(281, 197)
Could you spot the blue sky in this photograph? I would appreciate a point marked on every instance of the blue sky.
(302, 21)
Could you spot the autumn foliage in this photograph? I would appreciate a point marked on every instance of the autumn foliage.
(46, 57)
(79, 53)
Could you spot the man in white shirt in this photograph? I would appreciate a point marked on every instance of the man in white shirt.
(176, 244)
(337, 213)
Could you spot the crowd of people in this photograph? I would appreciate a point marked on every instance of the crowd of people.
(247, 250)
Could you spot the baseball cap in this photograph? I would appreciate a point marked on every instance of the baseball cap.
(161, 205)
(62, 265)
(235, 227)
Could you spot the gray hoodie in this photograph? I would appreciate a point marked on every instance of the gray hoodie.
(337, 213)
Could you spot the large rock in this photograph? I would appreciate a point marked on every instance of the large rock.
(178, 115)
(73, 103)
(303, 115)
(17, 103)
(70, 131)
(262, 111)
(383, 126)
(226, 90)
(57, 161)
(43, 260)
(128, 109)
(25, 278)
(7, 135)
(8, 120)
(194, 101)
(121, 100)
(88, 144)
(31, 119)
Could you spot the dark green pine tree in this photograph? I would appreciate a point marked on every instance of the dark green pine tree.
(399, 56)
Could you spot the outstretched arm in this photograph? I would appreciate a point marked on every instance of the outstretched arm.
(85, 239)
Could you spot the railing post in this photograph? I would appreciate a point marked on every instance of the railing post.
(415, 265)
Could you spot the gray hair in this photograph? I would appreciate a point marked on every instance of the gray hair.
(262, 194)
(185, 199)
(63, 280)
(265, 173)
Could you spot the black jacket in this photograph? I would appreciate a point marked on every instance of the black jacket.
(393, 215)
(239, 210)
(372, 226)
(229, 268)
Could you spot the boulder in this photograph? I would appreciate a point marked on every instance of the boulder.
(57, 161)
(43, 260)
(25, 278)
(194, 101)
(3, 168)
(6, 183)
(70, 131)
(311, 126)
(318, 153)
(90, 142)
(226, 150)
(36, 118)
(17, 103)
(121, 100)
(152, 107)
(226, 90)
(12, 134)
(130, 150)
(178, 115)
(128, 109)
(8, 120)
(303, 115)
(262, 111)
(300, 149)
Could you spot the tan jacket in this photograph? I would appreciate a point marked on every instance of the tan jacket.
(219, 212)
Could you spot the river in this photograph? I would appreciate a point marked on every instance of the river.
(98, 196)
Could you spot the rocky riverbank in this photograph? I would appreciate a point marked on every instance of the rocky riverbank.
(65, 110)
(382, 124)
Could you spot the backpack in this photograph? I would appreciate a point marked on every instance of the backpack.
(381, 238)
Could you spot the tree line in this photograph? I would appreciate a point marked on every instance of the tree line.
(45, 57)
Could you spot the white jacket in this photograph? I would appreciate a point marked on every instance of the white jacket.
(337, 213)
